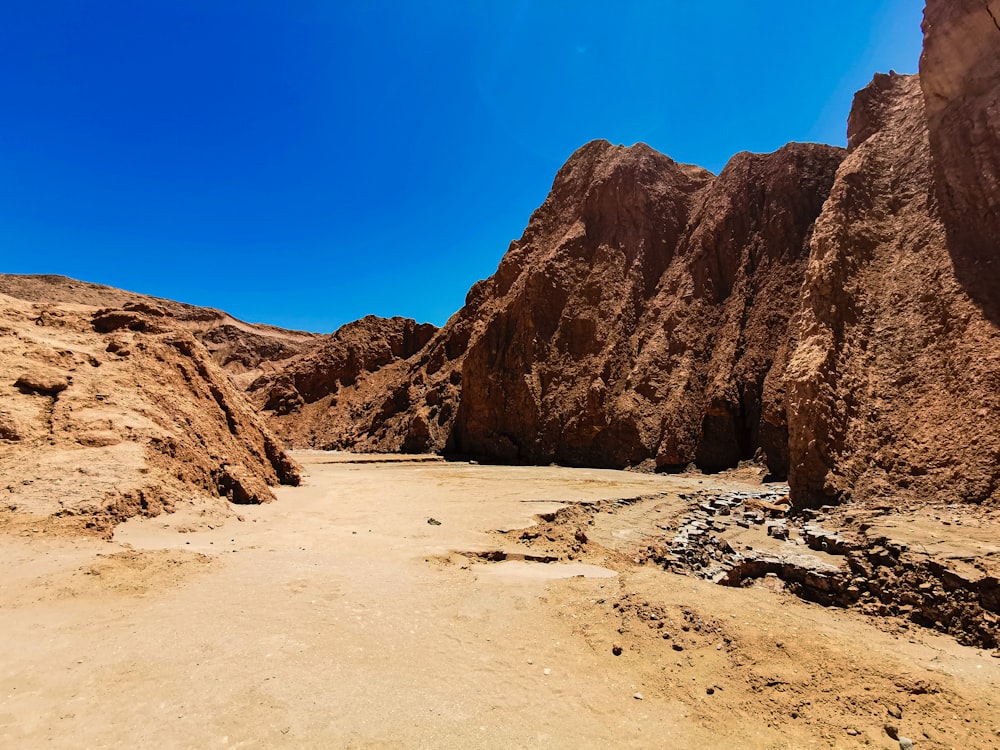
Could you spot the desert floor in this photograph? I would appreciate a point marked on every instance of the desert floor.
(340, 616)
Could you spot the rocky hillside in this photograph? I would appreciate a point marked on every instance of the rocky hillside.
(651, 343)
(244, 350)
(895, 385)
(308, 385)
(107, 413)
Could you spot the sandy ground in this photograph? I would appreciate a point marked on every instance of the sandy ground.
(343, 615)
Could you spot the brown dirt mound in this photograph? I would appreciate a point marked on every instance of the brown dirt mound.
(108, 414)
(244, 350)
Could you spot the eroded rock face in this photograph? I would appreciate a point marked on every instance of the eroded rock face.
(625, 372)
(959, 73)
(894, 387)
(539, 382)
(713, 345)
(111, 413)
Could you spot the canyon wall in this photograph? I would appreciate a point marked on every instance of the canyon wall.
(960, 77)
(643, 318)
(894, 388)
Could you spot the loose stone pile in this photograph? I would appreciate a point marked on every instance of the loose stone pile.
(696, 547)
(880, 576)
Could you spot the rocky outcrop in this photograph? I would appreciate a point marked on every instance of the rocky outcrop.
(110, 413)
(894, 387)
(960, 77)
(712, 348)
(308, 386)
(670, 372)
(541, 380)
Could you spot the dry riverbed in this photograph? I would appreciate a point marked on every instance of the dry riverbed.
(390, 604)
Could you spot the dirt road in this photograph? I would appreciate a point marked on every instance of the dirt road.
(343, 615)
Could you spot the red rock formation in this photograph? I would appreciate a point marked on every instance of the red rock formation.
(308, 386)
(673, 372)
(894, 388)
(713, 346)
(561, 310)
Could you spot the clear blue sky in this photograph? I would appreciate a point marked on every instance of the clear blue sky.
(306, 163)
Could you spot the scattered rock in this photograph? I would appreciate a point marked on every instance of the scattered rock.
(9, 429)
(433, 522)
(616, 650)
(43, 382)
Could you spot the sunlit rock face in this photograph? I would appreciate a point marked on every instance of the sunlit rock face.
(960, 77)
(893, 387)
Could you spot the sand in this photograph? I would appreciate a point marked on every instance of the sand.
(340, 616)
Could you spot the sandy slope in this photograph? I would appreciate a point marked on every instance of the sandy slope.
(339, 617)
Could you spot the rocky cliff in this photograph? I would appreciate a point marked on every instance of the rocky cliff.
(658, 357)
(895, 385)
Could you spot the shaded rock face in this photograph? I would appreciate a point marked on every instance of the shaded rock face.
(894, 386)
(562, 308)
(713, 345)
(110, 413)
(959, 73)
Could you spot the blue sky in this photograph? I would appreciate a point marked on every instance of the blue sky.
(306, 163)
